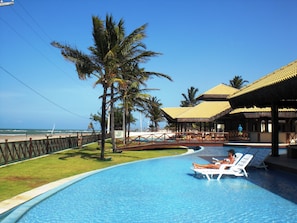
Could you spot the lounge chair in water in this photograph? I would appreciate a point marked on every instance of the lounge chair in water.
(237, 158)
(235, 169)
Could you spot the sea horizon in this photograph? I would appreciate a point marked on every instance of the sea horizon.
(33, 131)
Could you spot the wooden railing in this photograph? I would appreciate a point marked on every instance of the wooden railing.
(178, 137)
(17, 151)
(11, 152)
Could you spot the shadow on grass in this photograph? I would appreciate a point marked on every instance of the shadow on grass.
(84, 154)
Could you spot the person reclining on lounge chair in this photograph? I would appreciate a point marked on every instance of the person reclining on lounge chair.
(229, 160)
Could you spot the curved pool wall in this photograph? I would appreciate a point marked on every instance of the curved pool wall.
(158, 190)
(16, 213)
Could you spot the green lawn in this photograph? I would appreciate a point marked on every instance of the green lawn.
(24, 176)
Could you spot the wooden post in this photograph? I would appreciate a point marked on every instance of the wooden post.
(30, 148)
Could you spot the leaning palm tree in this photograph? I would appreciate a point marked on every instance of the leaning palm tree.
(237, 82)
(191, 99)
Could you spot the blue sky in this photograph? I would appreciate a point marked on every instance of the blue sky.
(203, 43)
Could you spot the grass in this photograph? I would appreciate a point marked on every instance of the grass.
(24, 176)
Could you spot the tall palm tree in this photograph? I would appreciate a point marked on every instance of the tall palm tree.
(101, 63)
(109, 58)
(191, 99)
(132, 52)
(237, 82)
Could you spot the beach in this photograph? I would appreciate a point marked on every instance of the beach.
(27, 137)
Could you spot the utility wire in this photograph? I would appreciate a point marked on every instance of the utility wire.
(41, 53)
(40, 37)
(34, 20)
(42, 96)
(29, 25)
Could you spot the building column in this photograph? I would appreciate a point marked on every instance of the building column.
(275, 128)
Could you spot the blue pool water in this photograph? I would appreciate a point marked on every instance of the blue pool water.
(163, 190)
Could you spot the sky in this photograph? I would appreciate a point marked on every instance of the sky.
(202, 43)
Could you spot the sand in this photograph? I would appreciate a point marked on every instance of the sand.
(17, 138)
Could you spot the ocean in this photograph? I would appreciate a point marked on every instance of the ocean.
(23, 132)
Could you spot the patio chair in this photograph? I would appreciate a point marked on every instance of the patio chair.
(235, 169)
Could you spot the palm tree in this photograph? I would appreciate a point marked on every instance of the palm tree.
(109, 59)
(133, 100)
(118, 118)
(153, 112)
(91, 127)
(237, 82)
(101, 63)
(131, 52)
(191, 99)
(131, 79)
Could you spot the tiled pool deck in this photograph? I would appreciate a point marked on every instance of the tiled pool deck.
(276, 163)
(282, 162)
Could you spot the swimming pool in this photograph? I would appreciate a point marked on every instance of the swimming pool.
(161, 190)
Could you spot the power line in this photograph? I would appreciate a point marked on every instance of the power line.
(41, 53)
(34, 20)
(33, 46)
(39, 94)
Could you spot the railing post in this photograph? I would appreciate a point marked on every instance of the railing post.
(47, 145)
(30, 148)
(5, 152)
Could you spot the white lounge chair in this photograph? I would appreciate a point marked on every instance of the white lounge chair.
(236, 169)
(237, 158)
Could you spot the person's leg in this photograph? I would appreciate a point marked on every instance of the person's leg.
(208, 166)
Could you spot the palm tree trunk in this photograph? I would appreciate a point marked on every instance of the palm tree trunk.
(112, 120)
(103, 122)
(128, 123)
(124, 124)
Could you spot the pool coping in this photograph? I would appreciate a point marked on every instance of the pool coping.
(11, 203)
